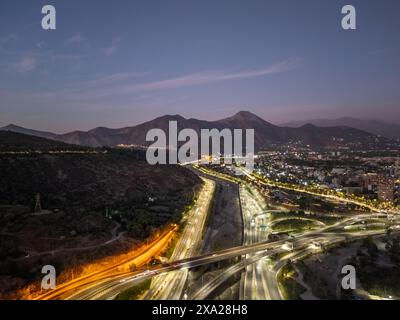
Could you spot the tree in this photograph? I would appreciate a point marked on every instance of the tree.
(371, 247)
(393, 248)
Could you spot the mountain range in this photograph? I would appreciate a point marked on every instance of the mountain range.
(265, 132)
(377, 127)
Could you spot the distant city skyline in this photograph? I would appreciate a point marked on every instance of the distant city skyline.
(118, 64)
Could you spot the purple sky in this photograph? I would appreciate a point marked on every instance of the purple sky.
(119, 63)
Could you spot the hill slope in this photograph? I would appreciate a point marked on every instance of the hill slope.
(13, 141)
(107, 202)
(36, 133)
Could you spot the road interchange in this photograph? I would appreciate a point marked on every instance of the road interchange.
(169, 278)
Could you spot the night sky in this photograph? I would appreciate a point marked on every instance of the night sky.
(119, 63)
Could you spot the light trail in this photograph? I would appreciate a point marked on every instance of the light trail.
(142, 256)
(171, 286)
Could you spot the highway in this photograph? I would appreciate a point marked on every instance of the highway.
(171, 285)
(140, 257)
(252, 177)
(303, 248)
(217, 281)
(253, 283)
(109, 288)
(187, 245)
(259, 281)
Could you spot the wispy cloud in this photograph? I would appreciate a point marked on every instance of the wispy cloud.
(211, 77)
(7, 38)
(26, 64)
(109, 80)
(194, 79)
(113, 47)
(75, 39)
(40, 44)
(127, 84)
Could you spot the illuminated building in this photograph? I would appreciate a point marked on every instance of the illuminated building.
(386, 189)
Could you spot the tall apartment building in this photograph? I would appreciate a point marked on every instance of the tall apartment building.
(386, 188)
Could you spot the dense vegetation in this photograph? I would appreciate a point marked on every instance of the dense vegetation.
(326, 219)
(378, 279)
(290, 288)
(294, 225)
(87, 199)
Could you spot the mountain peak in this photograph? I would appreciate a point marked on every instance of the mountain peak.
(171, 117)
(245, 114)
(309, 126)
(247, 117)
(11, 126)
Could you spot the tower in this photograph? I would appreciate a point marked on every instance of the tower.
(386, 189)
(38, 206)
